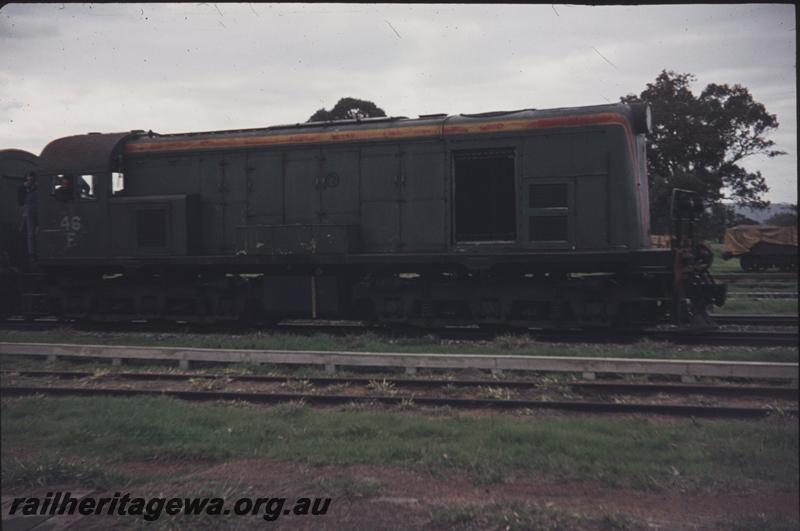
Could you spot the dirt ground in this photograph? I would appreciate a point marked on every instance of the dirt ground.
(374, 498)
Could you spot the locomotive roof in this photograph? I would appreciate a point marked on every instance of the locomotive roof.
(403, 121)
(384, 129)
(14, 153)
(102, 150)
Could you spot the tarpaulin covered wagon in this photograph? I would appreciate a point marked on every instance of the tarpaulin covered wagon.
(760, 247)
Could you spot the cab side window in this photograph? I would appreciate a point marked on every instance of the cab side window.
(63, 187)
(72, 187)
(85, 186)
(117, 183)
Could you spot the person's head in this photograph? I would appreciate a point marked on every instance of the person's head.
(30, 177)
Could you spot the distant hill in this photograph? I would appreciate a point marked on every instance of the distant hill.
(762, 215)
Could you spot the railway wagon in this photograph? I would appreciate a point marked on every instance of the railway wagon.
(524, 218)
(760, 247)
(14, 164)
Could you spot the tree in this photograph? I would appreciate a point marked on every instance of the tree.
(717, 219)
(348, 109)
(784, 219)
(714, 222)
(698, 143)
(741, 219)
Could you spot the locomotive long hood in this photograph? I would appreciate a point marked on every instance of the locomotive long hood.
(99, 153)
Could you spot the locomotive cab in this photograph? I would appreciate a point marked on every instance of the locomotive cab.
(89, 215)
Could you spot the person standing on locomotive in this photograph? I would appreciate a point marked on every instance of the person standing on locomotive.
(29, 201)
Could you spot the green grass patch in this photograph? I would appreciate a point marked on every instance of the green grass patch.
(370, 342)
(619, 452)
(741, 288)
(525, 516)
(512, 517)
(48, 471)
(720, 265)
(743, 305)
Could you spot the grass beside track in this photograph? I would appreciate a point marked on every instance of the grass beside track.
(84, 437)
(736, 305)
(370, 342)
(737, 301)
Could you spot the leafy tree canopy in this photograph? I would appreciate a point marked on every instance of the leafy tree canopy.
(348, 109)
(699, 141)
(718, 218)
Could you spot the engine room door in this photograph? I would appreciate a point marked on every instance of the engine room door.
(302, 194)
(380, 198)
(338, 186)
(423, 214)
(265, 189)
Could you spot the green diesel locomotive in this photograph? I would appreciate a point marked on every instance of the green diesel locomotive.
(522, 218)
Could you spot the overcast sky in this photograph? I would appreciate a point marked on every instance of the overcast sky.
(73, 68)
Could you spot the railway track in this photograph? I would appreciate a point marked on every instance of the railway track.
(756, 320)
(743, 401)
(755, 399)
(577, 406)
(639, 388)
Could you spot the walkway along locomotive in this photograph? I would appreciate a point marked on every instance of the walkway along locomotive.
(522, 218)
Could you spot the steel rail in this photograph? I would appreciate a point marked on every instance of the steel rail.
(771, 391)
(472, 403)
